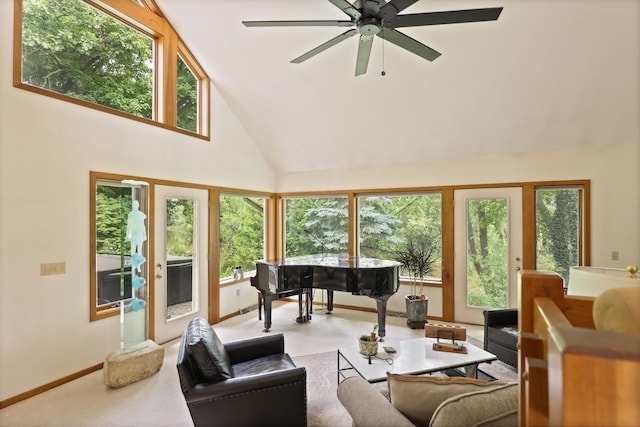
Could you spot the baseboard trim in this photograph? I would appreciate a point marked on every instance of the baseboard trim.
(27, 394)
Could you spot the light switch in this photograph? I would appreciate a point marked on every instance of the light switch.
(52, 268)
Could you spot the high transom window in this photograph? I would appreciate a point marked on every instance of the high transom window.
(74, 49)
(113, 57)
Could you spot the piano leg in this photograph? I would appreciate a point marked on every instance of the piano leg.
(381, 303)
(308, 301)
(267, 299)
(329, 300)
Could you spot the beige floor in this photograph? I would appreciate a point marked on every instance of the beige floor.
(157, 401)
(325, 332)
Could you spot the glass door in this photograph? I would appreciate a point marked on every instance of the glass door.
(181, 268)
(488, 250)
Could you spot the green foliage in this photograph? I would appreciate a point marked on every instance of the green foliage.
(187, 98)
(378, 227)
(180, 218)
(388, 222)
(316, 225)
(74, 49)
(241, 233)
(557, 230)
(112, 206)
(487, 223)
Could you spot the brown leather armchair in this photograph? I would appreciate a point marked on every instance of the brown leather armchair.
(251, 382)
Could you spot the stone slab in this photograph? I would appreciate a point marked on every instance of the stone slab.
(121, 369)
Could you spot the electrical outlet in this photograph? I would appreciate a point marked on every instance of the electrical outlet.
(237, 292)
(615, 255)
(52, 268)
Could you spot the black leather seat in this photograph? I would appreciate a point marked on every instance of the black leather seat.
(251, 382)
(501, 334)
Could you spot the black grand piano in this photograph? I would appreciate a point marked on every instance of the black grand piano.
(375, 278)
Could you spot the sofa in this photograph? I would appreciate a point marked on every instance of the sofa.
(501, 334)
(430, 401)
(250, 382)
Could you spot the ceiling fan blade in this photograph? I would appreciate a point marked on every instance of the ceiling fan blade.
(347, 8)
(394, 7)
(364, 52)
(406, 42)
(448, 17)
(324, 46)
(298, 23)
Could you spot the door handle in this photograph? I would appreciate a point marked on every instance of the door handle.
(518, 269)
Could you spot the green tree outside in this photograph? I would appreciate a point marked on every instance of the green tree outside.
(71, 48)
(487, 247)
(241, 233)
(113, 203)
(557, 230)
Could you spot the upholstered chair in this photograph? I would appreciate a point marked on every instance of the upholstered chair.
(250, 382)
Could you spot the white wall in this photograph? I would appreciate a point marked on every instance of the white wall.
(236, 297)
(47, 148)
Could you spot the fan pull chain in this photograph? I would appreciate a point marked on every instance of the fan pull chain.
(383, 73)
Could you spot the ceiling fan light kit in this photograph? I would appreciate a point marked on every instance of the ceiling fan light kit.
(378, 18)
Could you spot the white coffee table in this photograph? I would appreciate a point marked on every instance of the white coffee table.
(414, 357)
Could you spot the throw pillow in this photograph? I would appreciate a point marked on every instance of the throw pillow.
(618, 310)
(208, 352)
(493, 406)
(417, 397)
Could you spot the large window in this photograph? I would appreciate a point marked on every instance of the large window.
(242, 232)
(113, 57)
(388, 222)
(316, 225)
(558, 224)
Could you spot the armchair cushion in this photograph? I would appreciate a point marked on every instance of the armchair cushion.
(262, 365)
(418, 397)
(207, 351)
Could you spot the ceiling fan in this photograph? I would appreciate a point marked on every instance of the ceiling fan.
(379, 18)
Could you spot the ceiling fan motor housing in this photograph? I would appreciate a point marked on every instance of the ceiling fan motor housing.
(369, 26)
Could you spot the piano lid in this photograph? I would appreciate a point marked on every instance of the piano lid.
(332, 260)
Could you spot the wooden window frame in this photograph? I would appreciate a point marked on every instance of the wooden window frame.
(149, 20)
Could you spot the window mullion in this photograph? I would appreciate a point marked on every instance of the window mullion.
(167, 84)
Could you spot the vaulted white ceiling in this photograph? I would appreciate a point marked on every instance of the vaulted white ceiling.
(547, 75)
